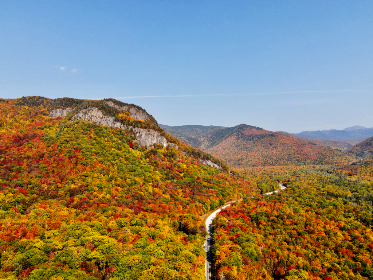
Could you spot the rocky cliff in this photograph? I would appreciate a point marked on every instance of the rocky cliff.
(134, 112)
(144, 137)
(144, 129)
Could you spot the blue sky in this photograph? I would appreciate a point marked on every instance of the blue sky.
(280, 65)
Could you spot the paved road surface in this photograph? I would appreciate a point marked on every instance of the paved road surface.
(208, 240)
(282, 187)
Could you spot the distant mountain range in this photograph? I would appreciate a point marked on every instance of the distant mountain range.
(244, 146)
(347, 134)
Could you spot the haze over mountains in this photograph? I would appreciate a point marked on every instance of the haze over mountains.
(347, 134)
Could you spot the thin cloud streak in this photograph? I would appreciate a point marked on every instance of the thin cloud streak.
(239, 94)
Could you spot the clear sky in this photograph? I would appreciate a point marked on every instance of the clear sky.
(280, 65)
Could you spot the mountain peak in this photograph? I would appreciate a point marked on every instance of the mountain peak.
(245, 126)
(355, 127)
(246, 146)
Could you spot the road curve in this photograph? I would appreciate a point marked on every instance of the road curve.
(208, 240)
(282, 187)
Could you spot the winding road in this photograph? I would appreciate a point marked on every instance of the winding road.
(208, 240)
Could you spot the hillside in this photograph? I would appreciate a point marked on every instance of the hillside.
(97, 190)
(195, 131)
(347, 134)
(361, 169)
(193, 141)
(195, 134)
(334, 144)
(363, 150)
(191, 134)
(319, 228)
(245, 146)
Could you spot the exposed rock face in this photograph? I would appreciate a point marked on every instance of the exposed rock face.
(144, 137)
(59, 112)
(134, 112)
(148, 137)
(94, 115)
(210, 163)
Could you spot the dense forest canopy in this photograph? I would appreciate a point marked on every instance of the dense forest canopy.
(363, 150)
(320, 227)
(246, 146)
(82, 200)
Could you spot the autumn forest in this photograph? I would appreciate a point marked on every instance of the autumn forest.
(96, 189)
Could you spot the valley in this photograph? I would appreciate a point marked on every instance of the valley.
(186, 140)
(97, 189)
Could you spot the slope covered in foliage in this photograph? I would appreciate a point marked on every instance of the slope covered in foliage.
(194, 135)
(190, 140)
(245, 146)
(357, 170)
(363, 149)
(83, 201)
(196, 131)
(319, 227)
(341, 145)
(334, 144)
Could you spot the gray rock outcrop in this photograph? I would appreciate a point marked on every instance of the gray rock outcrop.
(144, 137)
(134, 112)
(60, 112)
(210, 163)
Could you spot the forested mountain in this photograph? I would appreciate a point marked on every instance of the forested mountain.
(334, 144)
(193, 141)
(97, 190)
(347, 134)
(244, 146)
(195, 134)
(363, 149)
(196, 131)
